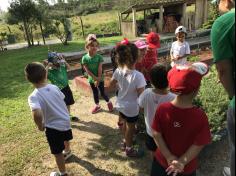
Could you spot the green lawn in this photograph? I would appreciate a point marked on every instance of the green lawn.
(20, 143)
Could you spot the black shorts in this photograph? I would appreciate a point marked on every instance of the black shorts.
(69, 100)
(56, 139)
(150, 143)
(129, 119)
(158, 170)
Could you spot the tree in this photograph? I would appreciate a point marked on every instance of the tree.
(23, 11)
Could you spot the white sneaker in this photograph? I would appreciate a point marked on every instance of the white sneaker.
(226, 171)
(67, 155)
(55, 174)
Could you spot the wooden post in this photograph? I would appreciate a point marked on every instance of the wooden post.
(199, 13)
(119, 19)
(183, 19)
(134, 23)
(161, 20)
(206, 11)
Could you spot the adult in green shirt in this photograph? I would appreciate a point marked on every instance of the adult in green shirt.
(223, 45)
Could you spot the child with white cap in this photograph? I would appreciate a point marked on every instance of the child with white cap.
(180, 49)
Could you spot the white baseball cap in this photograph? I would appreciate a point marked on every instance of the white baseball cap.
(180, 29)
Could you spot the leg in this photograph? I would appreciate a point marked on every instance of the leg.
(60, 162)
(95, 93)
(102, 91)
(157, 169)
(67, 146)
(68, 107)
(129, 134)
(231, 130)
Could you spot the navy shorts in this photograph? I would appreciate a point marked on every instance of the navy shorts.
(129, 119)
(150, 143)
(56, 139)
(69, 99)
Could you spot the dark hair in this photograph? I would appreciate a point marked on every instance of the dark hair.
(158, 75)
(35, 72)
(127, 55)
(113, 58)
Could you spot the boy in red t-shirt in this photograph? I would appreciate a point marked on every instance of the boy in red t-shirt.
(180, 129)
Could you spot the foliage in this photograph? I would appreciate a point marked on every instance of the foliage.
(214, 100)
(214, 14)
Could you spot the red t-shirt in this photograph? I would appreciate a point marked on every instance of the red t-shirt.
(180, 129)
(147, 62)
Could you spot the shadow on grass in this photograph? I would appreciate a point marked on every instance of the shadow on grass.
(108, 146)
(90, 167)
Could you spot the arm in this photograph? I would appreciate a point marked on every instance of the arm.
(90, 73)
(225, 72)
(112, 83)
(140, 90)
(38, 119)
(162, 147)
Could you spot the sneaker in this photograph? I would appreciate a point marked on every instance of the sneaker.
(67, 155)
(226, 171)
(134, 153)
(110, 106)
(57, 174)
(96, 109)
(74, 119)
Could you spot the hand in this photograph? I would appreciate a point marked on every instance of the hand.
(170, 159)
(96, 83)
(175, 168)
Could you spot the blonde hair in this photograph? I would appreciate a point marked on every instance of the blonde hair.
(91, 38)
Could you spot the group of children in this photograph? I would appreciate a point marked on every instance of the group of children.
(176, 129)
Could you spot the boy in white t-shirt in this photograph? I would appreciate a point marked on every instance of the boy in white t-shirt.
(180, 49)
(50, 114)
(151, 98)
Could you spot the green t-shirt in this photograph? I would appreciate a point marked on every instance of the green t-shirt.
(223, 40)
(58, 76)
(93, 64)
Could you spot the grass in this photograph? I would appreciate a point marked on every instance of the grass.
(20, 144)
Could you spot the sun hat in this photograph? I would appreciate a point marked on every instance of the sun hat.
(141, 44)
(153, 40)
(186, 79)
(180, 29)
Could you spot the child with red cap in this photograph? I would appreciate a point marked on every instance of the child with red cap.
(150, 58)
(180, 129)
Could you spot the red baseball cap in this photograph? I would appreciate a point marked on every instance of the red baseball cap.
(186, 79)
(153, 40)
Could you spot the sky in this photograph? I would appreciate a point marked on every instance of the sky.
(4, 4)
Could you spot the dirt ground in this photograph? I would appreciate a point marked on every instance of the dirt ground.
(97, 152)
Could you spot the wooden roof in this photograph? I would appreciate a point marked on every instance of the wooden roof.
(154, 4)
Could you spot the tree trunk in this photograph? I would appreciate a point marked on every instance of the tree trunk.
(41, 28)
(31, 36)
(27, 34)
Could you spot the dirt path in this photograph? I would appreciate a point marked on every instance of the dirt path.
(96, 150)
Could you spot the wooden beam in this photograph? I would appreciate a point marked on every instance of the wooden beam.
(161, 19)
(183, 19)
(134, 23)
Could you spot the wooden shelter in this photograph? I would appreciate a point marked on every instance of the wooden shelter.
(168, 14)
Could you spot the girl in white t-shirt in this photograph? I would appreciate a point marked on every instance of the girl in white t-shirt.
(131, 84)
(180, 49)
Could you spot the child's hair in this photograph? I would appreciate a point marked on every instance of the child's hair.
(113, 58)
(158, 76)
(35, 72)
(127, 55)
(91, 38)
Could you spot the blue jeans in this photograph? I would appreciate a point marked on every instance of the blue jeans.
(231, 130)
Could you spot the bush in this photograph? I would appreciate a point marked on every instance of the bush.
(214, 100)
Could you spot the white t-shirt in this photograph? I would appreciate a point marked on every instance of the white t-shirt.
(51, 101)
(150, 101)
(127, 100)
(180, 49)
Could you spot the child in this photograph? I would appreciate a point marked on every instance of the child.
(142, 46)
(150, 59)
(180, 129)
(180, 49)
(50, 114)
(56, 67)
(131, 84)
(92, 63)
(151, 98)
